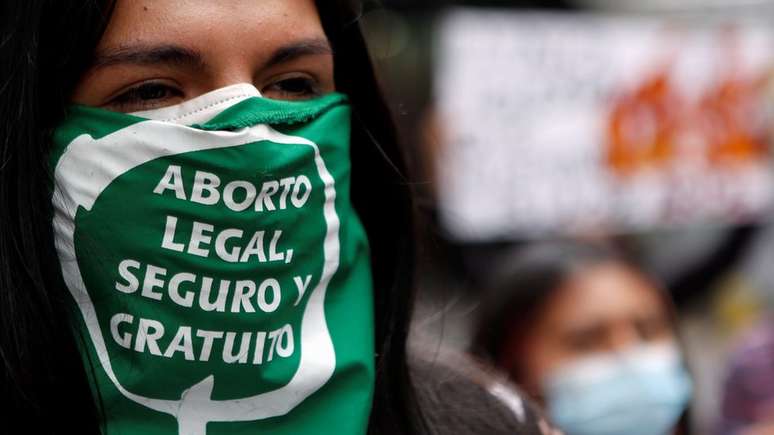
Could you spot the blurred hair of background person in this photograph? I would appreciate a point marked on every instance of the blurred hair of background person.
(590, 337)
(487, 401)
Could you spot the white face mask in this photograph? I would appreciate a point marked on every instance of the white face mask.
(641, 391)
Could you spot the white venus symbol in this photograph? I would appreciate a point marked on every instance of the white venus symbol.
(77, 186)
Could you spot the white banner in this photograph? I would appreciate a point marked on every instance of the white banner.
(567, 123)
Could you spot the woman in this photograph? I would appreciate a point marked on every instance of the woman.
(589, 336)
(151, 59)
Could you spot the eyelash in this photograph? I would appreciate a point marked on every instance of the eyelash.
(134, 99)
(293, 88)
(150, 95)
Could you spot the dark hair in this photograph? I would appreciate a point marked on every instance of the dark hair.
(522, 283)
(46, 46)
(379, 191)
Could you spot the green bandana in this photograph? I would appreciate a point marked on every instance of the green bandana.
(220, 275)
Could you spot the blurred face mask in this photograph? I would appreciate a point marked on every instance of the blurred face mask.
(219, 275)
(643, 391)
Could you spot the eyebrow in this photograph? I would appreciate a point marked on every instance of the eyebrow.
(149, 55)
(305, 47)
(175, 55)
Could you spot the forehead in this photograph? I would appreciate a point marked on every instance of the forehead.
(606, 292)
(242, 26)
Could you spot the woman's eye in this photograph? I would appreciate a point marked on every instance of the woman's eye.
(585, 340)
(652, 328)
(292, 88)
(145, 96)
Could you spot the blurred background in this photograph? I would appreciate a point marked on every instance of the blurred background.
(640, 128)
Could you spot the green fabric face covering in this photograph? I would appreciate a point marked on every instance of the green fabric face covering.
(220, 277)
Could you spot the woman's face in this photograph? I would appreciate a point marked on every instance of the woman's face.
(605, 308)
(163, 52)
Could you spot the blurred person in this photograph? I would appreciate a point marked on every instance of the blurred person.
(159, 77)
(748, 392)
(590, 337)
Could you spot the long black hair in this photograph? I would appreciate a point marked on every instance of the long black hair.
(45, 47)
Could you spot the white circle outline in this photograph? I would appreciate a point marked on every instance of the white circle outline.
(88, 166)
